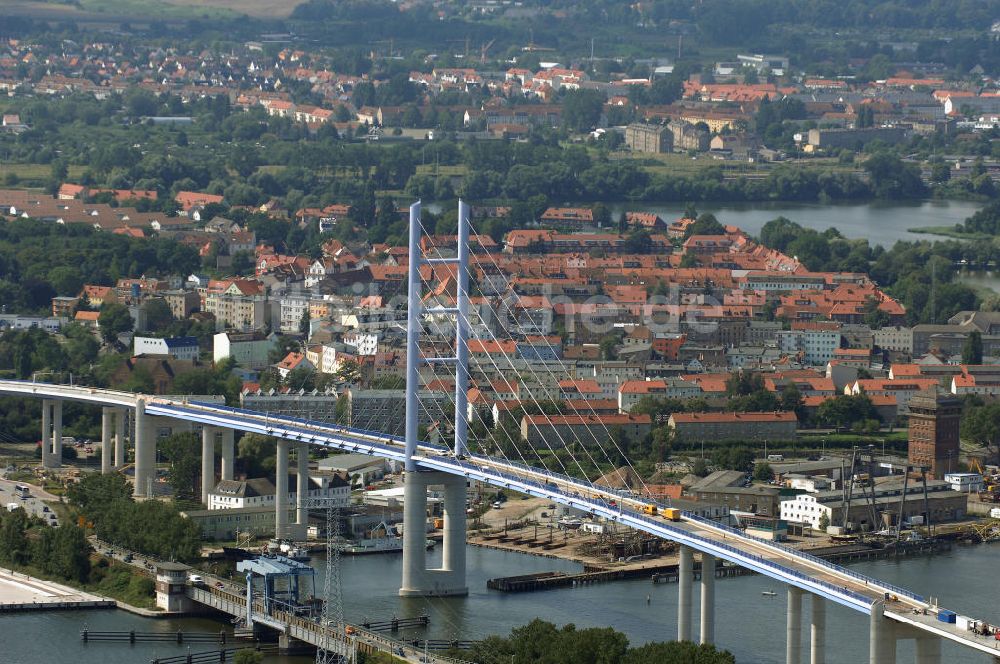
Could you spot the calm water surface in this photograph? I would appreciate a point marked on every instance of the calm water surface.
(748, 624)
(880, 223)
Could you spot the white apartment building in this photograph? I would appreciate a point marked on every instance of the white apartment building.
(817, 345)
(293, 308)
(364, 343)
(259, 492)
(179, 348)
(248, 350)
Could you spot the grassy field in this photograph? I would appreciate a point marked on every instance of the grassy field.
(431, 169)
(949, 231)
(36, 172)
(144, 10)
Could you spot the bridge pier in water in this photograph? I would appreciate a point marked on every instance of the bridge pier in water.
(817, 629)
(685, 575)
(449, 579)
(707, 598)
(793, 627)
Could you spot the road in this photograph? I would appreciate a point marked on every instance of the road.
(34, 504)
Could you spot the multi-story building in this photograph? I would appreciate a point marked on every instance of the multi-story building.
(249, 350)
(312, 405)
(944, 503)
(817, 342)
(385, 410)
(727, 487)
(182, 303)
(640, 137)
(933, 431)
(734, 426)
(544, 431)
(896, 338)
(179, 348)
(243, 313)
(633, 391)
(293, 309)
(260, 492)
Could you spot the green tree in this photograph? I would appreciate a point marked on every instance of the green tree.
(304, 323)
(183, 451)
(13, 540)
(762, 472)
(824, 521)
(248, 656)
(972, 349)
(156, 314)
(113, 320)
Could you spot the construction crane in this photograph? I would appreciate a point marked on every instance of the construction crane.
(484, 49)
(869, 462)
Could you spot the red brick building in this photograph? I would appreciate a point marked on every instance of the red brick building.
(933, 439)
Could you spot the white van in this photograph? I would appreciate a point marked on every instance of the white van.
(196, 579)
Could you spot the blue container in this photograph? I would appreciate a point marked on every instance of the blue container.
(946, 616)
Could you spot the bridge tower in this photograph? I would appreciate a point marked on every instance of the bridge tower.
(449, 579)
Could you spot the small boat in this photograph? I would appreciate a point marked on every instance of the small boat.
(768, 593)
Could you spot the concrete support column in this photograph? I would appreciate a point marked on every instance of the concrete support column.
(57, 432)
(207, 462)
(46, 433)
(685, 568)
(455, 534)
(881, 636)
(414, 535)
(228, 453)
(107, 426)
(707, 598)
(281, 491)
(817, 649)
(121, 435)
(145, 451)
(793, 627)
(928, 649)
(302, 490)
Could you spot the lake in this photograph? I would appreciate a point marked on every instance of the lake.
(881, 223)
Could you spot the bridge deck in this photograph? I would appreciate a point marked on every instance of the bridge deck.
(785, 564)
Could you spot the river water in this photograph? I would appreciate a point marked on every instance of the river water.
(748, 624)
(881, 223)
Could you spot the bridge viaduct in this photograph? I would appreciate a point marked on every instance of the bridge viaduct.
(894, 613)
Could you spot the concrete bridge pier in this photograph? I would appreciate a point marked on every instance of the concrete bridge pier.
(145, 451)
(107, 429)
(120, 437)
(449, 580)
(302, 490)
(881, 636)
(817, 649)
(46, 433)
(707, 598)
(208, 435)
(793, 625)
(228, 453)
(281, 491)
(685, 569)
(51, 433)
(928, 649)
